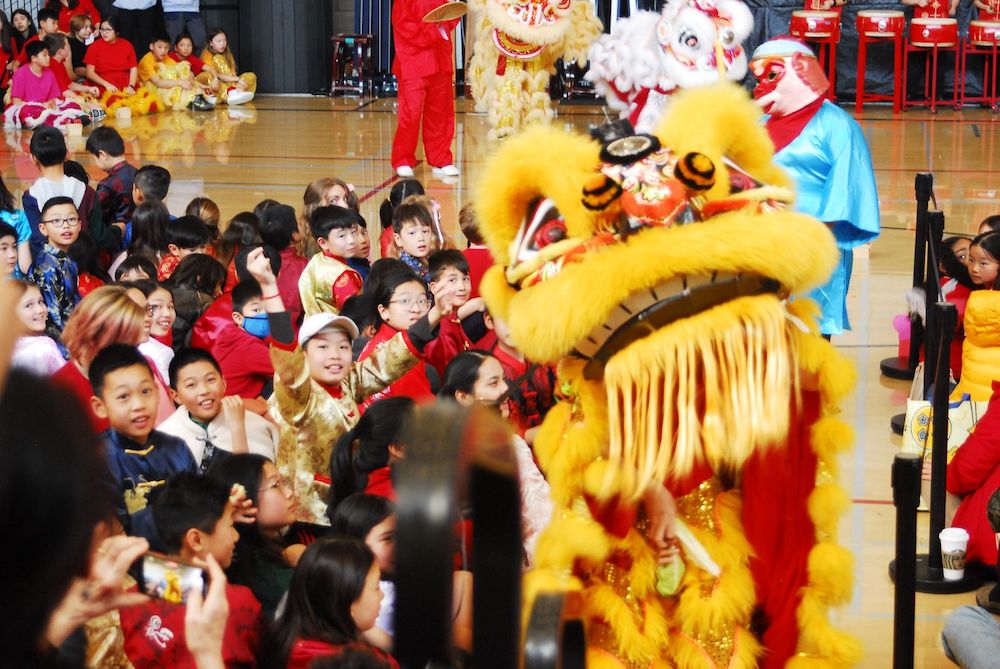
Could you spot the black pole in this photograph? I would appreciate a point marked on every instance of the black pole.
(906, 497)
(932, 292)
(946, 317)
(923, 186)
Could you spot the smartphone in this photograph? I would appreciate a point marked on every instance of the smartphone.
(168, 578)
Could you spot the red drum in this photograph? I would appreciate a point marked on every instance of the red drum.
(806, 25)
(875, 23)
(936, 9)
(933, 32)
(984, 33)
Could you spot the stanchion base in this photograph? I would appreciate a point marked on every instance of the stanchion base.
(934, 584)
(897, 423)
(897, 368)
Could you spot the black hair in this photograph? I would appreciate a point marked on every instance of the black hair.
(366, 448)
(357, 514)
(48, 146)
(160, 36)
(71, 168)
(242, 230)
(993, 511)
(400, 191)
(262, 206)
(448, 258)
(278, 225)
(382, 291)
(188, 232)
(19, 37)
(184, 35)
(111, 359)
(51, 509)
(7, 201)
(137, 261)
(380, 268)
(240, 261)
(150, 222)
(245, 291)
(152, 181)
(46, 14)
(189, 356)
(200, 272)
(54, 42)
(411, 211)
(461, 373)
(7, 230)
(55, 5)
(255, 548)
(325, 220)
(992, 222)
(105, 139)
(329, 578)
(86, 255)
(145, 286)
(55, 202)
(953, 267)
(188, 501)
(5, 34)
(113, 22)
(35, 48)
(358, 308)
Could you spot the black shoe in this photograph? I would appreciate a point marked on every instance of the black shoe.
(200, 104)
(988, 597)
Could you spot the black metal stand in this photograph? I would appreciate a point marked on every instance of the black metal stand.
(925, 572)
(906, 496)
(897, 367)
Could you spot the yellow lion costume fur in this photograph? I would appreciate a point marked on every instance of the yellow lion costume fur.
(682, 363)
(517, 44)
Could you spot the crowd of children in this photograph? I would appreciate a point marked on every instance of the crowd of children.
(249, 379)
(76, 67)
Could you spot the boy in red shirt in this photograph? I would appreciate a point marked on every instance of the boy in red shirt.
(327, 280)
(194, 518)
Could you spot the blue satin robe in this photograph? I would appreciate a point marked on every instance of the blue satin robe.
(137, 468)
(835, 182)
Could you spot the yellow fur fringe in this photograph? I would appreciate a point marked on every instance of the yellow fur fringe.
(730, 372)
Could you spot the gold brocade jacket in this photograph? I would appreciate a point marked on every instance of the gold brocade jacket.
(326, 283)
(312, 418)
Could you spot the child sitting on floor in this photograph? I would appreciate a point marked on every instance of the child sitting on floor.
(185, 236)
(317, 386)
(140, 458)
(208, 419)
(34, 351)
(35, 96)
(235, 88)
(173, 82)
(280, 231)
(81, 93)
(413, 236)
(327, 280)
(53, 271)
(194, 517)
(114, 192)
(477, 255)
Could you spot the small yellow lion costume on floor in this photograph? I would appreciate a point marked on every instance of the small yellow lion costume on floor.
(656, 271)
(517, 44)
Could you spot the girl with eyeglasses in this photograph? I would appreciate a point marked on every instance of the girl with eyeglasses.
(264, 555)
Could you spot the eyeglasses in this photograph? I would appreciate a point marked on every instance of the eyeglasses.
(409, 302)
(106, 30)
(71, 222)
(277, 484)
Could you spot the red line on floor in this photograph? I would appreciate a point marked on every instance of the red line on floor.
(883, 502)
(381, 186)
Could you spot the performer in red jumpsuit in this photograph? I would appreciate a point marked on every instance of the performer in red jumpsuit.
(423, 67)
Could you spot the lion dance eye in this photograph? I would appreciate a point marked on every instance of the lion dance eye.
(689, 39)
(550, 233)
(727, 37)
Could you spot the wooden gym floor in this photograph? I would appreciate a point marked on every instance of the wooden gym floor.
(273, 147)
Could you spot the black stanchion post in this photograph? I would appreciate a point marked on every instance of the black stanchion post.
(946, 316)
(906, 497)
(932, 290)
(896, 367)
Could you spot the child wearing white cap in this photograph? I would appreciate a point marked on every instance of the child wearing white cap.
(318, 387)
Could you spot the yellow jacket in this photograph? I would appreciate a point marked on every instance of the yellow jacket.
(326, 283)
(981, 350)
(312, 417)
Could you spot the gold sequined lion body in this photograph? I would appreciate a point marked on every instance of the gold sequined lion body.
(517, 44)
(656, 270)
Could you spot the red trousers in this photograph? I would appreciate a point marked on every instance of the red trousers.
(427, 101)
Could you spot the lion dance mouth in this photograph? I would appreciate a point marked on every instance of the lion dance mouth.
(660, 272)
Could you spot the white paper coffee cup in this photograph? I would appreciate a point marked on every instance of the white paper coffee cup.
(954, 542)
